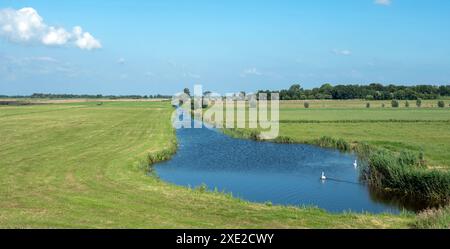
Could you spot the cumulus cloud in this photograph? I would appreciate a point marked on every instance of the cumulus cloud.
(27, 26)
(56, 36)
(344, 52)
(383, 2)
(84, 40)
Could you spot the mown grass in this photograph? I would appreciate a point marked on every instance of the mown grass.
(84, 165)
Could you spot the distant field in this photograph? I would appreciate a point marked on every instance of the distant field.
(356, 103)
(424, 129)
(420, 129)
(62, 101)
(83, 165)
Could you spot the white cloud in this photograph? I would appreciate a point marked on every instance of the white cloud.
(383, 2)
(21, 25)
(56, 36)
(251, 71)
(344, 52)
(27, 26)
(85, 40)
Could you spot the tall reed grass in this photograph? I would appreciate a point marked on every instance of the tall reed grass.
(405, 172)
(162, 155)
(329, 142)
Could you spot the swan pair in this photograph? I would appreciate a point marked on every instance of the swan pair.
(323, 177)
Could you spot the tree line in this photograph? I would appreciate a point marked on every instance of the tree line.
(86, 96)
(373, 91)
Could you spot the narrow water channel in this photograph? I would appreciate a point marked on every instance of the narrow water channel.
(285, 174)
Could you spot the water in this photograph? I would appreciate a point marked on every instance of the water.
(287, 174)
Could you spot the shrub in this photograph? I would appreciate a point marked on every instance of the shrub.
(162, 155)
(254, 135)
(407, 104)
(389, 171)
(202, 188)
(394, 103)
(268, 203)
(306, 104)
(383, 105)
(329, 142)
(367, 105)
(284, 140)
(419, 102)
(441, 104)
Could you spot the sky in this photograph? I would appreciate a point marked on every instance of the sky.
(161, 46)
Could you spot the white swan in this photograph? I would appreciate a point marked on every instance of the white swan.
(323, 177)
(355, 164)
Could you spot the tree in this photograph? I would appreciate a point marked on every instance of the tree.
(407, 104)
(441, 104)
(419, 102)
(306, 104)
(326, 89)
(187, 91)
(295, 88)
(373, 91)
(394, 103)
(295, 91)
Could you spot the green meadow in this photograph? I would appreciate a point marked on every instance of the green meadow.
(85, 165)
(425, 129)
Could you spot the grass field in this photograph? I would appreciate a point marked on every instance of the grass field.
(83, 165)
(424, 129)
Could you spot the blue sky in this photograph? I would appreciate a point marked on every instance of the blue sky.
(148, 47)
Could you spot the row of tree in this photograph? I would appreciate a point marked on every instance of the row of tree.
(87, 96)
(296, 92)
(370, 92)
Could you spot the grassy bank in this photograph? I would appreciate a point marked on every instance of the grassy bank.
(434, 219)
(84, 165)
